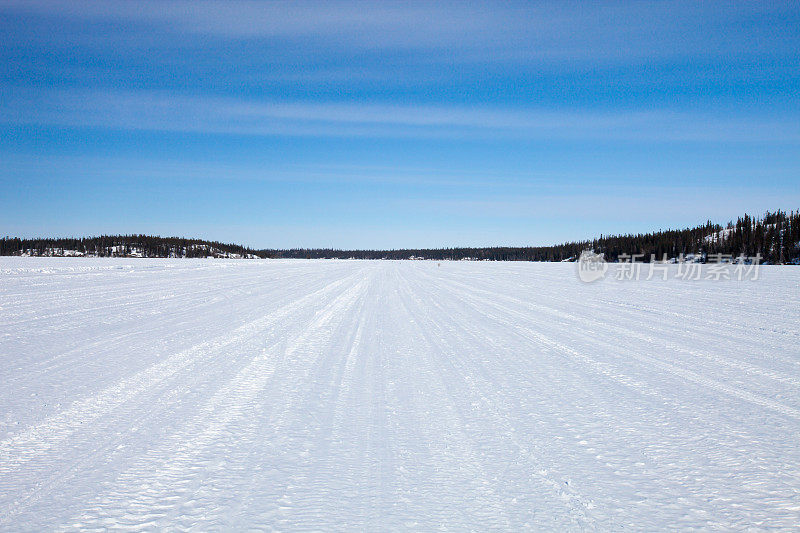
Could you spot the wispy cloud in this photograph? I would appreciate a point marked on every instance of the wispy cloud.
(469, 30)
(170, 112)
(376, 23)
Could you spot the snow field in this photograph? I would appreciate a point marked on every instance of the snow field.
(381, 395)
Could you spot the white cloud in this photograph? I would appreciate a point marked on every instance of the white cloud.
(465, 30)
(168, 112)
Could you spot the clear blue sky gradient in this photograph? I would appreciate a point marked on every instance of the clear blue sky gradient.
(409, 124)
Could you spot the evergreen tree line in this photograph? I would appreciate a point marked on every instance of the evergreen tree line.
(121, 246)
(775, 237)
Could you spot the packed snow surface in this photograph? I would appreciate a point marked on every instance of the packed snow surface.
(359, 395)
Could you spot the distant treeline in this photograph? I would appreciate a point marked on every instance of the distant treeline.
(748, 235)
(122, 246)
(775, 236)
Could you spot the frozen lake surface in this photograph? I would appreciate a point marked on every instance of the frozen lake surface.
(358, 395)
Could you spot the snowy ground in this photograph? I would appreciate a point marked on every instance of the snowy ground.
(339, 395)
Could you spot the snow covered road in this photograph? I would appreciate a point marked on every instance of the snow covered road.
(359, 395)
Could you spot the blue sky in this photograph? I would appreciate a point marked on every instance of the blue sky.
(408, 124)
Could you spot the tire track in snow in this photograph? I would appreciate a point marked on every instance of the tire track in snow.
(171, 326)
(579, 507)
(676, 477)
(168, 471)
(731, 450)
(661, 334)
(17, 449)
(692, 326)
(464, 452)
(673, 369)
(298, 427)
(62, 472)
